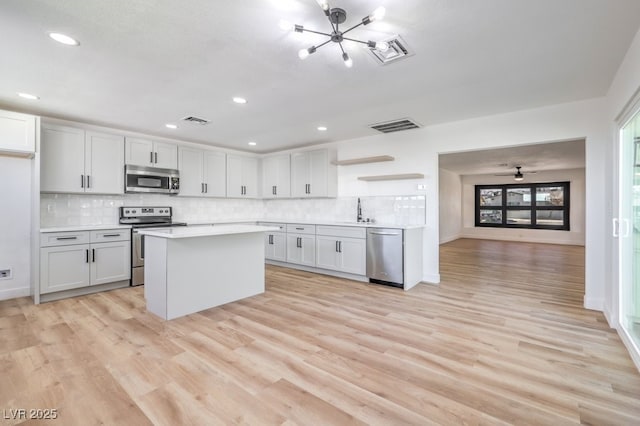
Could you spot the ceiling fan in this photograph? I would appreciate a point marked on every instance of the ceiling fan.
(518, 175)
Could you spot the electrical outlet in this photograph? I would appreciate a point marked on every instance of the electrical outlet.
(5, 274)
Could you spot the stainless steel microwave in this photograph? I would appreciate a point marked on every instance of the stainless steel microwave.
(151, 179)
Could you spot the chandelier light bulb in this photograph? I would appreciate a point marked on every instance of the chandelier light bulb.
(382, 46)
(324, 4)
(303, 54)
(347, 60)
(286, 25)
(378, 14)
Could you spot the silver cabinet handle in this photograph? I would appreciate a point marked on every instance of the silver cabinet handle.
(309, 188)
(93, 255)
(300, 229)
(111, 235)
(81, 181)
(88, 181)
(155, 154)
(206, 188)
(66, 238)
(86, 258)
(337, 250)
(340, 246)
(151, 157)
(202, 188)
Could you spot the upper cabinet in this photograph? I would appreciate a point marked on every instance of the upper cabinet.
(276, 176)
(78, 161)
(149, 153)
(313, 174)
(202, 172)
(17, 133)
(242, 176)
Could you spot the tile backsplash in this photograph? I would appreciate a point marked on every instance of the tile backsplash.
(80, 209)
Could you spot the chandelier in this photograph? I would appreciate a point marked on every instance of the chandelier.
(336, 17)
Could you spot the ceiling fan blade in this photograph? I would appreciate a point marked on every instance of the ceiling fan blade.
(504, 174)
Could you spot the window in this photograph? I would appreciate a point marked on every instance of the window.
(536, 206)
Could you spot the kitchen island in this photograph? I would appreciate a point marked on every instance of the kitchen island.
(190, 269)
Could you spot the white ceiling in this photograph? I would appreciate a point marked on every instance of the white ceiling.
(537, 157)
(144, 63)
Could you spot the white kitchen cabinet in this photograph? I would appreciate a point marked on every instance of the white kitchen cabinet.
(275, 242)
(202, 172)
(78, 161)
(276, 176)
(301, 244)
(17, 133)
(313, 174)
(242, 176)
(342, 249)
(149, 153)
(65, 265)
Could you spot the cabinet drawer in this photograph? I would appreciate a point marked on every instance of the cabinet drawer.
(342, 231)
(107, 235)
(282, 226)
(51, 239)
(295, 228)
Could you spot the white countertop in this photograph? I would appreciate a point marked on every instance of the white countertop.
(204, 231)
(83, 228)
(354, 223)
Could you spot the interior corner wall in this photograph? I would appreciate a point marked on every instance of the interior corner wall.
(15, 226)
(576, 234)
(450, 199)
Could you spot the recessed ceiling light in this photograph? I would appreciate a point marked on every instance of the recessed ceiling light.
(170, 126)
(239, 100)
(29, 96)
(64, 39)
(253, 143)
(322, 128)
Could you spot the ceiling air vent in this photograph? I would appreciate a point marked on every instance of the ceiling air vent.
(395, 126)
(196, 120)
(398, 49)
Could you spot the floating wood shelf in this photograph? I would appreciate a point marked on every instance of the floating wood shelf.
(364, 160)
(392, 177)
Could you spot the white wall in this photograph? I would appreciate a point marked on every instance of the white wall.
(450, 199)
(575, 236)
(15, 225)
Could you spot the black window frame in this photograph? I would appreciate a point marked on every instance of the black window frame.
(533, 208)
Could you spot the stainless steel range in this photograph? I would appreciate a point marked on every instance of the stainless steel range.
(143, 217)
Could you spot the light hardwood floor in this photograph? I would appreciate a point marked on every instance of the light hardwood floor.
(502, 340)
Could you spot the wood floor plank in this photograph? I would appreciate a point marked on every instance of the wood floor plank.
(503, 339)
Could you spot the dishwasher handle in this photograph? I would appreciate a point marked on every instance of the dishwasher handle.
(384, 233)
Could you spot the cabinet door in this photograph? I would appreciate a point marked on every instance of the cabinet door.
(250, 176)
(294, 252)
(235, 184)
(318, 173)
(17, 132)
(139, 152)
(62, 159)
(110, 262)
(275, 246)
(191, 176)
(215, 174)
(327, 255)
(353, 255)
(299, 174)
(104, 163)
(276, 176)
(64, 268)
(165, 155)
(308, 250)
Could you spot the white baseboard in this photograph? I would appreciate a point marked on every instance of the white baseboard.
(612, 319)
(13, 293)
(431, 278)
(507, 237)
(594, 304)
(634, 351)
(450, 238)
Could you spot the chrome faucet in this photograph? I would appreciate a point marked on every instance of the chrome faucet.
(359, 217)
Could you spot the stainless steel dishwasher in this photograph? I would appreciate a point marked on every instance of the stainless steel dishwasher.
(385, 256)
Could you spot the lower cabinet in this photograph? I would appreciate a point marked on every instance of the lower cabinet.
(103, 257)
(301, 249)
(275, 242)
(342, 249)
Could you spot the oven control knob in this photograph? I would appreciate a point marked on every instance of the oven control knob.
(126, 211)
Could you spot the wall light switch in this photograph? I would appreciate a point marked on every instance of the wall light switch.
(5, 274)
